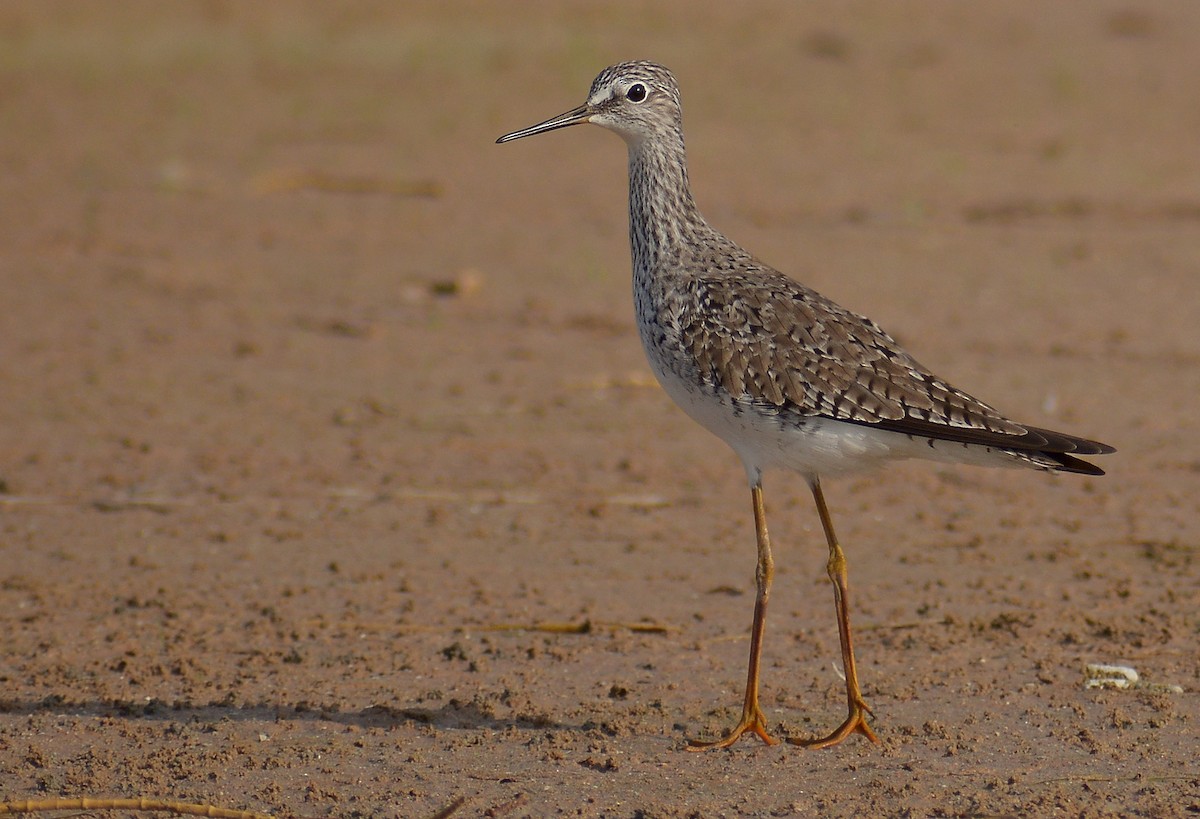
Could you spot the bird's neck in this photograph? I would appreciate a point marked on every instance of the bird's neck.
(663, 219)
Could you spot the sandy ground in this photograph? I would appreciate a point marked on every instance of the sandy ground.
(333, 482)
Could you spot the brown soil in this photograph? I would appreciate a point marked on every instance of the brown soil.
(320, 411)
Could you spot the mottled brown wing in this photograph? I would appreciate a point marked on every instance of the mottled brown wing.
(771, 341)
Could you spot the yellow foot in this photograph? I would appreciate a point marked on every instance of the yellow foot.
(751, 721)
(856, 723)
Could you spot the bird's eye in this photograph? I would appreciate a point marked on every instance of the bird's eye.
(636, 92)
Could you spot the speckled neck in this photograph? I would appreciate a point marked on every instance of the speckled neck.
(663, 217)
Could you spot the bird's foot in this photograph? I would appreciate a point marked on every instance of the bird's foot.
(752, 720)
(856, 723)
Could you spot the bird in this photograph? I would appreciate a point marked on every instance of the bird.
(785, 376)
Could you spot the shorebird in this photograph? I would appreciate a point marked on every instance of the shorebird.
(781, 373)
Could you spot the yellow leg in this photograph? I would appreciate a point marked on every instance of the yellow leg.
(856, 719)
(752, 715)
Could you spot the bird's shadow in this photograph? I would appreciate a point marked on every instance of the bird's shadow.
(452, 715)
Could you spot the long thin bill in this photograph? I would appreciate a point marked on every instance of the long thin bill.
(573, 117)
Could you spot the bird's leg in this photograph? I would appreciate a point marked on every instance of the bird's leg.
(856, 719)
(752, 715)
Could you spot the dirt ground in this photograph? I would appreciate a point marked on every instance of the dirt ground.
(333, 481)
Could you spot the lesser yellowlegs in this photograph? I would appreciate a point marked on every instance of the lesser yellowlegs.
(785, 376)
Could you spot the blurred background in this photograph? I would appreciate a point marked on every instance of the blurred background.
(301, 376)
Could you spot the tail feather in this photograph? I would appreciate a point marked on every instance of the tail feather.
(1069, 463)
(1043, 447)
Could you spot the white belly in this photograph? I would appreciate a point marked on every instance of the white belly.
(813, 446)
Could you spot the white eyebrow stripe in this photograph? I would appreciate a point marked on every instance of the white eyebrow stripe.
(602, 95)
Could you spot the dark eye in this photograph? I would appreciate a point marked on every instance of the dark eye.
(636, 92)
